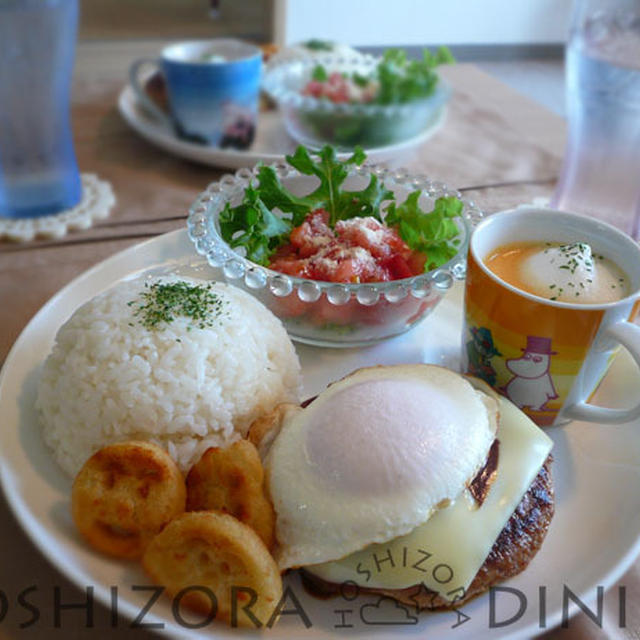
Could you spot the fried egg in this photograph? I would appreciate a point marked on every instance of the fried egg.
(373, 457)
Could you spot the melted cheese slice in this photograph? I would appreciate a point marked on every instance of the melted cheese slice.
(446, 552)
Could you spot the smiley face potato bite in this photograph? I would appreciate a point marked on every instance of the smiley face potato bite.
(403, 477)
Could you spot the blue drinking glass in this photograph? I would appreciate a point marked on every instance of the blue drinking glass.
(38, 168)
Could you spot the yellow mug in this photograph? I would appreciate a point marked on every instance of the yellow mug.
(548, 357)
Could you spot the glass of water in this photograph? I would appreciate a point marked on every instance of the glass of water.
(601, 170)
(38, 169)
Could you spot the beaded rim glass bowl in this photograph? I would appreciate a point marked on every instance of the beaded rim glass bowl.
(317, 121)
(330, 313)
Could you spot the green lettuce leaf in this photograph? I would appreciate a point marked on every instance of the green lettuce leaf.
(368, 202)
(402, 80)
(319, 74)
(435, 234)
(254, 226)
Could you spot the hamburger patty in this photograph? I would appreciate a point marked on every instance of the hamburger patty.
(515, 547)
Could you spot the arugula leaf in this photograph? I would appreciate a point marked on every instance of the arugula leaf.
(359, 204)
(276, 196)
(331, 172)
(319, 74)
(254, 226)
(434, 233)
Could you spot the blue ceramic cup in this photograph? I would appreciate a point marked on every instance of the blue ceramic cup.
(212, 87)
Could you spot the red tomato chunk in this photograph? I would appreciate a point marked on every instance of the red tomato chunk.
(357, 250)
(339, 88)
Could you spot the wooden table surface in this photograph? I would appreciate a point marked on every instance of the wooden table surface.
(502, 148)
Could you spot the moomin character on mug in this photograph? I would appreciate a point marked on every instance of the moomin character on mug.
(531, 385)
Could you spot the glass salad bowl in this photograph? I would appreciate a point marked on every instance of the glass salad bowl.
(317, 121)
(329, 313)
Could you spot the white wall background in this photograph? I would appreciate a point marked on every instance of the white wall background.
(418, 22)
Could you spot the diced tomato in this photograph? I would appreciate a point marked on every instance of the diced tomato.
(326, 313)
(420, 311)
(314, 88)
(284, 251)
(290, 306)
(416, 262)
(360, 250)
(398, 267)
(339, 94)
(312, 234)
(346, 271)
(300, 237)
(335, 88)
(291, 267)
(379, 240)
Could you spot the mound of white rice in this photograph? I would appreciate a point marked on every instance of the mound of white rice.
(182, 385)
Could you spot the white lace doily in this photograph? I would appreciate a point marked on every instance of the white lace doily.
(96, 204)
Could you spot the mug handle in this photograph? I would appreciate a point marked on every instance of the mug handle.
(141, 94)
(628, 335)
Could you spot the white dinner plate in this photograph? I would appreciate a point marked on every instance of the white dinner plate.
(593, 537)
(272, 141)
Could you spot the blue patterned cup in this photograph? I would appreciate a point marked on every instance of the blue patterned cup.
(212, 87)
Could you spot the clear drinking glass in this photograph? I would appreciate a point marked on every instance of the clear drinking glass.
(601, 170)
(38, 169)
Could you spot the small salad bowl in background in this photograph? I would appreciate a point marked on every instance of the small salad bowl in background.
(327, 313)
(380, 101)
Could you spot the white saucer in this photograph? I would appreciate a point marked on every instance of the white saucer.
(272, 142)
